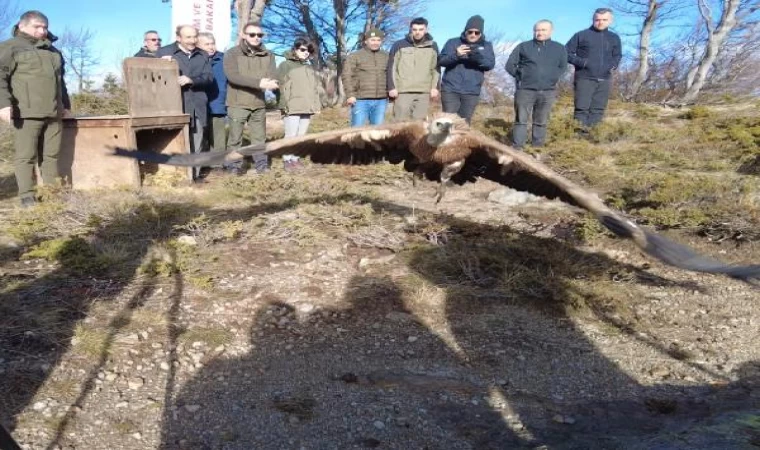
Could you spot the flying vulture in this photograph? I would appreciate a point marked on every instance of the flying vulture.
(444, 148)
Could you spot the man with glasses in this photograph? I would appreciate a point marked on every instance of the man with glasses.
(250, 69)
(195, 77)
(465, 59)
(412, 75)
(151, 44)
(364, 81)
(537, 66)
(595, 52)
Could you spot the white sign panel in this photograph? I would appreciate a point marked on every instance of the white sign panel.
(211, 16)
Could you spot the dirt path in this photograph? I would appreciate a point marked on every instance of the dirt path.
(335, 346)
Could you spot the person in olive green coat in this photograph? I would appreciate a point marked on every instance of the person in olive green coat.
(251, 71)
(301, 94)
(33, 96)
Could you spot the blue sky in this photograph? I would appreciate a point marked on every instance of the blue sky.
(118, 25)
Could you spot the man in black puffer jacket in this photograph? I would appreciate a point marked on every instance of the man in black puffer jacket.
(466, 59)
(595, 53)
(537, 66)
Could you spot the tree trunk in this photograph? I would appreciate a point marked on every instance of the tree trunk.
(250, 11)
(715, 38)
(257, 12)
(340, 45)
(644, 41)
(368, 18)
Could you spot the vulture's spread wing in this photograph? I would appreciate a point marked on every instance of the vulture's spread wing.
(509, 167)
(364, 145)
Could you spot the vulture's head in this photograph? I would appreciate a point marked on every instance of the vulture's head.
(442, 126)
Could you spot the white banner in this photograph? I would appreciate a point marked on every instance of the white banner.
(211, 16)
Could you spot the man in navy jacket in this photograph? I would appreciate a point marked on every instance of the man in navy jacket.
(465, 59)
(595, 53)
(217, 92)
(537, 66)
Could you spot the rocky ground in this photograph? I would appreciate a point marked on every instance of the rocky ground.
(274, 344)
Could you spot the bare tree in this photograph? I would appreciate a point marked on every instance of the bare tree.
(498, 85)
(733, 13)
(250, 11)
(9, 14)
(78, 54)
(652, 14)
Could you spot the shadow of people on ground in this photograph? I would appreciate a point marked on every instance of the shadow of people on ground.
(474, 344)
(42, 307)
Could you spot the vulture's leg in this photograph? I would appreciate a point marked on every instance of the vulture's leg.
(448, 171)
(418, 174)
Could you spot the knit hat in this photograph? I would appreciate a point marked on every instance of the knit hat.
(475, 23)
(374, 32)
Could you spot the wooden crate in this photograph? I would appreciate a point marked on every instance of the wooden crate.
(155, 122)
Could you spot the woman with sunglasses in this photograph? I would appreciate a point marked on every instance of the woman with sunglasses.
(301, 94)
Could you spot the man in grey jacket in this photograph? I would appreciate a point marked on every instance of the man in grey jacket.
(537, 66)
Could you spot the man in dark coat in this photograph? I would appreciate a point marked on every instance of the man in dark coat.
(537, 66)
(151, 44)
(465, 59)
(595, 52)
(195, 78)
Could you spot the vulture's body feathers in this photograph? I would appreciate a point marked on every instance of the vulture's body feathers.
(446, 150)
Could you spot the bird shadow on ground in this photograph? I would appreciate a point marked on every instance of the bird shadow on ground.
(475, 347)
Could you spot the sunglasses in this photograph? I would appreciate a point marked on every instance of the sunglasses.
(304, 50)
(475, 32)
(154, 40)
(258, 35)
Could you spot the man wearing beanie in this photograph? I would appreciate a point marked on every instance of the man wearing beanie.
(413, 77)
(364, 81)
(465, 59)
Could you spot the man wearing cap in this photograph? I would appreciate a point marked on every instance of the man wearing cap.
(465, 59)
(364, 80)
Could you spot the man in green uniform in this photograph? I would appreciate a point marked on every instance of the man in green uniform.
(33, 97)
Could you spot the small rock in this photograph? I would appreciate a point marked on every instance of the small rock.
(137, 436)
(164, 366)
(110, 376)
(135, 383)
(187, 240)
(412, 339)
(510, 197)
(364, 262)
(379, 424)
(122, 404)
(197, 344)
(39, 406)
(130, 339)
(192, 408)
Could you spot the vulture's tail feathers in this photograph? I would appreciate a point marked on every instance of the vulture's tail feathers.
(679, 255)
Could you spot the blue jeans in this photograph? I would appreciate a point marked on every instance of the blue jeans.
(368, 109)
